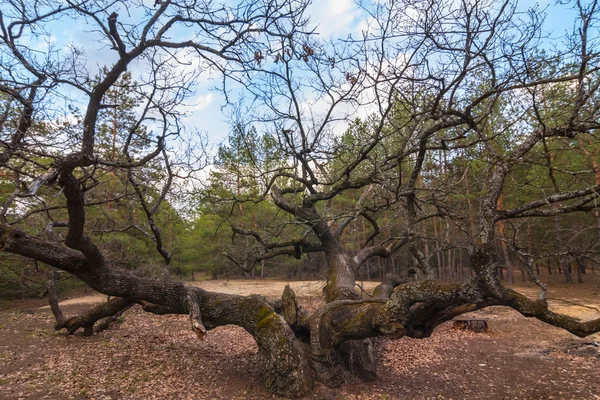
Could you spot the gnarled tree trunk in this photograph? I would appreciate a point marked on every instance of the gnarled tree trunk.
(331, 344)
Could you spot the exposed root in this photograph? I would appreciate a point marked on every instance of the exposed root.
(108, 321)
(53, 300)
(108, 312)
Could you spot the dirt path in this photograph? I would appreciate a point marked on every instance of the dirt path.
(154, 357)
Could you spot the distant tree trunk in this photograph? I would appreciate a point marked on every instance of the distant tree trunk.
(393, 262)
(448, 254)
(564, 265)
(566, 269)
(463, 274)
(499, 268)
(579, 271)
(438, 250)
(509, 272)
(596, 167)
(471, 213)
(598, 223)
(450, 263)
(530, 250)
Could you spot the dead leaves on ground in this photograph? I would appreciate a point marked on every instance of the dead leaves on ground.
(159, 357)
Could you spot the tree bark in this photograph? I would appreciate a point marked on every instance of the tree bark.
(339, 333)
(108, 311)
(285, 368)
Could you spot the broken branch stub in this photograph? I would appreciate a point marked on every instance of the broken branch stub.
(193, 308)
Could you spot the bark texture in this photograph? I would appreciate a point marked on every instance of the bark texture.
(107, 312)
(285, 366)
(332, 344)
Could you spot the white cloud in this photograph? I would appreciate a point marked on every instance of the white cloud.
(200, 103)
(335, 17)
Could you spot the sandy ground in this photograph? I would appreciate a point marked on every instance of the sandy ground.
(580, 304)
(269, 288)
(158, 357)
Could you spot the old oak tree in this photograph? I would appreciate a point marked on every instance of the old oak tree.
(474, 80)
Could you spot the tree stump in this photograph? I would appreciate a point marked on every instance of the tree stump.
(474, 325)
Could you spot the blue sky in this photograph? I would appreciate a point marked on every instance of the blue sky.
(338, 18)
(335, 18)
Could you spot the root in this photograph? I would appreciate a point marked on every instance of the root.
(108, 312)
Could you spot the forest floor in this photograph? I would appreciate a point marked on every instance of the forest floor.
(159, 357)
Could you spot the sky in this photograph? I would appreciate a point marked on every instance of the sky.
(339, 18)
(334, 18)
